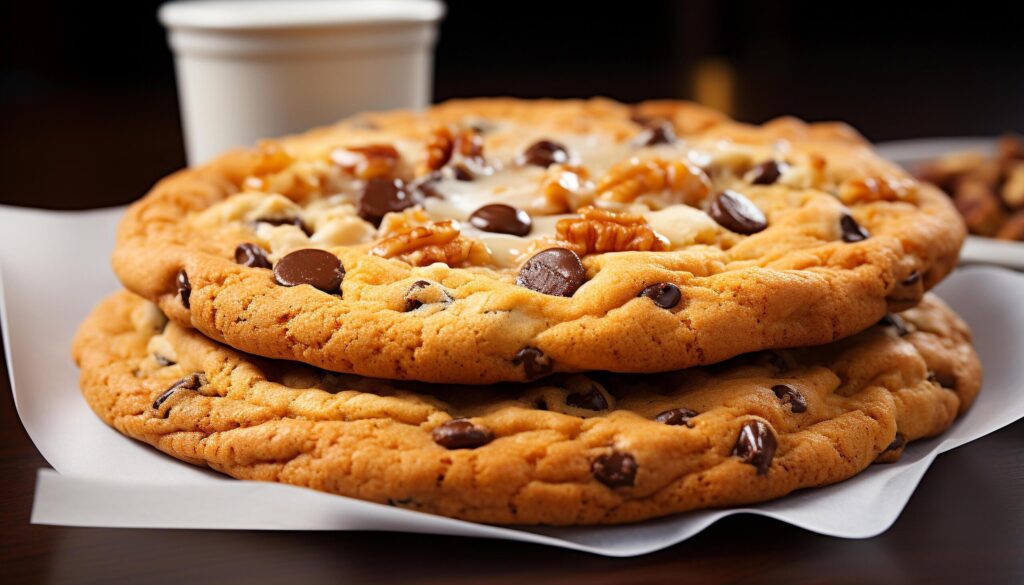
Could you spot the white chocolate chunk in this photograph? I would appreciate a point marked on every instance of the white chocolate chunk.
(281, 239)
(147, 318)
(683, 225)
(248, 207)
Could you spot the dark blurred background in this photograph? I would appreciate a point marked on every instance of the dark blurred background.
(90, 118)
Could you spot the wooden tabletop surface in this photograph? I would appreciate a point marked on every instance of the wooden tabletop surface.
(965, 524)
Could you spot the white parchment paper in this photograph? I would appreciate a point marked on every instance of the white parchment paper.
(54, 267)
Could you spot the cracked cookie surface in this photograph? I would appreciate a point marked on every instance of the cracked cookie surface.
(571, 449)
(477, 230)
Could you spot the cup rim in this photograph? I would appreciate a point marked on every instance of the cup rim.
(285, 14)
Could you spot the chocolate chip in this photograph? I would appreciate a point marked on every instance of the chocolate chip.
(251, 255)
(184, 288)
(189, 382)
(163, 361)
(615, 469)
(657, 132)
(295, 221)
(423, 292)
(736, 213)
(425, 187)
(535, 363)
(555, 271)
(756, 445)
(664, 294)
(592, 400)
(676, 417)
(852, 231)
(317, 268)
(766, 173)
(898, 443)
(383, 196)
(461, 433)
(411, 304)
(894, 320)
(791, 396)
(462, 172)
(911, 280)
(499, 218)
(544, 153)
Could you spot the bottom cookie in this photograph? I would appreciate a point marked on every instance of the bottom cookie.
(573, 449)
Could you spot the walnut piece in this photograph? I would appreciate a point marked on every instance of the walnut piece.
(1013, 228)
(979, 207)
(463, 150)
(434, 242)
(869, 189)
(403, 221)
(439, 148)
(277, 171)
(566, 187)
(372, 161)
(598, 230)
(675, 181)
(1013, 187)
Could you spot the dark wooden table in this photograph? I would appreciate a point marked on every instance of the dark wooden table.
(965, 524)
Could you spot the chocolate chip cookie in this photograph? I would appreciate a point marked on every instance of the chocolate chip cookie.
(501, 240)
(571, 449)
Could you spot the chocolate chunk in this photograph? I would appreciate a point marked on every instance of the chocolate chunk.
(462, 172)
(736, 213)
(189, 382)
(412, 303)
(676, 417)
(664, 294)
(425, 187)
(756, 445)
(163, 361)
(911, 280)
(295, 221)
(555, 271)
(184, 288)
(251, 255)
(535, 363)
(766, 173)
(852, 231)
(461, 433)
(317, 268)
(499, 218)
(544, 153)
(615, 469)
(894, 320)
(424, 292)
(898, 443)
(383, 196)
(592, 400)
(791, 396)
(657, 132)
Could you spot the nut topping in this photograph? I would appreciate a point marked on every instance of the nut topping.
(598, 231)
(438, 241)
(679, 180)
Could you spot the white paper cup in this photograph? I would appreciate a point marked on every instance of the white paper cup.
(250, 69)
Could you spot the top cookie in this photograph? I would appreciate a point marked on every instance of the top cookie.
(499, 239)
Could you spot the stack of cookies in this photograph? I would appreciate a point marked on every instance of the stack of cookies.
(557, 312)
